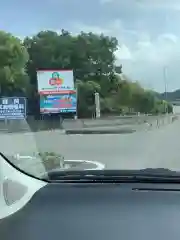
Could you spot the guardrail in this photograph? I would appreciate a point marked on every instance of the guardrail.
(18, 126)
(160, 122)
(118, 121)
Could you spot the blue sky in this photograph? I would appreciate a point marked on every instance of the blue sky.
(147, 30)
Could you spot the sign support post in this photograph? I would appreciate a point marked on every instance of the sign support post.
(97, 104)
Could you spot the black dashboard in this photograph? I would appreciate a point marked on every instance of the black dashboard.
(97, 211)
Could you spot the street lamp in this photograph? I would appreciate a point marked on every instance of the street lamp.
(165, 85)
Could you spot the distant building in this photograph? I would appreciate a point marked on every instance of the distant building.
(176, 102)
(176, 106)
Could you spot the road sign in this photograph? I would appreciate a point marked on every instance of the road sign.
(55, 82)
(12, 108)
(59, 103)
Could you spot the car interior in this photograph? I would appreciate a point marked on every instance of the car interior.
(34, 209)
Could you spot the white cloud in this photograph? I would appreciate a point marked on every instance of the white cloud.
(161, 4)
(124, 53)
(162, 49)
(144, 61)
(151, 4)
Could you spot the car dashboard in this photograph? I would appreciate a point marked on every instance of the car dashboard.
(104, 211)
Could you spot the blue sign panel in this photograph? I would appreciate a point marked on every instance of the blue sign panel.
(58, 103)
(12, 108)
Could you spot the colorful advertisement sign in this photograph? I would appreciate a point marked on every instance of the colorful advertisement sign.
(55, 81)
(58, 103)
(13, 108)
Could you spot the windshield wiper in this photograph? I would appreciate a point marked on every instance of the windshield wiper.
(143, 175)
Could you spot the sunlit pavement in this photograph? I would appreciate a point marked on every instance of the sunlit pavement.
(154, 148)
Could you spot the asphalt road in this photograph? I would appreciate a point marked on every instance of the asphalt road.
(154, 148)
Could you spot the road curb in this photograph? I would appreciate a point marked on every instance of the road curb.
(100, 131)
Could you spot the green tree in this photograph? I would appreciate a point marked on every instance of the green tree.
(14, 56)
(86, 97)
(92, 58)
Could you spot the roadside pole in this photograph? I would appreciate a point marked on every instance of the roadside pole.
(165, 86)
(97, 105)
(76, 115)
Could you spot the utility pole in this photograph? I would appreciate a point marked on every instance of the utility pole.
(165, 84)
(76, 95)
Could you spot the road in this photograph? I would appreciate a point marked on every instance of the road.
(155, 148)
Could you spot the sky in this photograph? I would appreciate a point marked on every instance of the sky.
(148, 31)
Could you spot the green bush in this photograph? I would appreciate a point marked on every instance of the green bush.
(51, 160)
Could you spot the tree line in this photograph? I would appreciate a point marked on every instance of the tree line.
(92, 58)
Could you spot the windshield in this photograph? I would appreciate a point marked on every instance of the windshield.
(90, 86)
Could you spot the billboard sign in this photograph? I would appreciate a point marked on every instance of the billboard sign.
(58, 103)
(13, 108)
(55, 81)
